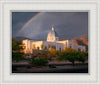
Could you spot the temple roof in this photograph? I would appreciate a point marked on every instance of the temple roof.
(53, 32)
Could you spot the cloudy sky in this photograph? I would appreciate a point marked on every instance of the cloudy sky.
(35, 25)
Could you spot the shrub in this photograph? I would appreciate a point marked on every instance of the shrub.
(69, 49)
(71, 55)
(38, 62)
(17, 46)
(71, 59)
(53, 51)
(62, 56)
(80, 59)
(17, 56)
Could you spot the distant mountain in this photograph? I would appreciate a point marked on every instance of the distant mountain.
(23, 38)
(81, 40)
(20, 38)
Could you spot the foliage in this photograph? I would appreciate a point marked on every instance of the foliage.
(85, 53)
(80, 59)
(72, 59)
(44, 54)
(16, 46)
(17, 49)
(38, 62)
(71, 55)
(53, 52)
(68, 54)
(17, 56)
(69, 49)
(62, 56)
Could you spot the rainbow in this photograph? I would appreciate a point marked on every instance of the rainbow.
(28, 22)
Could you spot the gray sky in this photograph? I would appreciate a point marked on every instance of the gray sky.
(67, 24)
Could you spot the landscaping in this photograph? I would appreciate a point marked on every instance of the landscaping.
(42, 59)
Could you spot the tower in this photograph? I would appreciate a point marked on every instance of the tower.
(52, 35)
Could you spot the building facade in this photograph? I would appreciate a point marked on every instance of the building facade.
(51, 42)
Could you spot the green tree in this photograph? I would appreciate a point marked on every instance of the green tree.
(17, 56)
(71, 55)
(38, 62)
(53, 52)
(17, 46)
(81, 56)
(17, 50)
(69, 49)
(62, 56)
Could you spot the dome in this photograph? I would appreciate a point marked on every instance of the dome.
(52, 35)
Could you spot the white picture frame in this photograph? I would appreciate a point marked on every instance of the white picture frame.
(91, 6)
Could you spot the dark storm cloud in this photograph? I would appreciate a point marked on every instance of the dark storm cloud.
(66, 24)
(19, 19)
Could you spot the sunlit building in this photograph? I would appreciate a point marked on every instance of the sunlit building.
(51, 42)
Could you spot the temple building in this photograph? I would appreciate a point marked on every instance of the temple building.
(51, 42)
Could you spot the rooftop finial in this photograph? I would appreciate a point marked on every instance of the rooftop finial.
(52, 27)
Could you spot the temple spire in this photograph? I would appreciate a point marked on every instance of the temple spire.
(52, 28)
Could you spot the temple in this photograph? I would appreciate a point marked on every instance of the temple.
(51, 42)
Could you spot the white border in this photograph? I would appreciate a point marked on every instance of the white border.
(91, 78)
